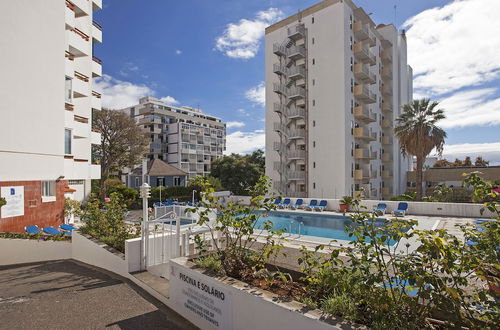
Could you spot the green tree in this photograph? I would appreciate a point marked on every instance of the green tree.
(238, 173)
(123, 143)
(481, 162)
(418, 134)
(197, 182)
(467, 161)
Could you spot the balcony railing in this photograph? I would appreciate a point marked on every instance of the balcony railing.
(296, 133)
(363, 134)
(81, 34)
(362, 153)
(387, 90)
(280, 89)
(296, 92)
(68, 55)
(81, 76)
(97, 25)
(296, 175)
(361, 30)
(361, 175)
(279, 49)
(386, 157)
(98, 95)
(296, 154)
(363, 93)
(280, 69)
(386, 140)
(280, 108)
(70, 5)
(386, 73)
(96, 59)
(296, 32)
(387, 174)
(292, 113)
(386, 123)
(296, 72)
(362, 113)
(295, 52)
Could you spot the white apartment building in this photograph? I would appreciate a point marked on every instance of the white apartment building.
(184, 137)
(335, 83)
(47, 66)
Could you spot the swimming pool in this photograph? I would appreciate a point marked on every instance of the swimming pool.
(318, 225)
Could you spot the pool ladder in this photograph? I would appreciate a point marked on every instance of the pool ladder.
(298, 227)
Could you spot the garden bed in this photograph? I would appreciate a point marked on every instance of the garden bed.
(38, 237)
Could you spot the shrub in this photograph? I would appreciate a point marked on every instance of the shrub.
(129, 196)
(105, 222)
(40, 237)
(183, 194)
(2, 201)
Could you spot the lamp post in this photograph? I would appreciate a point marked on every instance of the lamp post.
(145, 193)
(194, 191)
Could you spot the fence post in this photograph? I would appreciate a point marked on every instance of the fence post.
(145, 193)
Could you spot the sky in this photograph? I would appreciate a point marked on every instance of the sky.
(209, 54)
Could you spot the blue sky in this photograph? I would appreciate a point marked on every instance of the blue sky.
(209, 54)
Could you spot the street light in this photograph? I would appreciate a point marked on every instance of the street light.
(194, 191)
(145, 193)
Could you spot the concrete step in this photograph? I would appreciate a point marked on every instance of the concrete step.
(157, 283)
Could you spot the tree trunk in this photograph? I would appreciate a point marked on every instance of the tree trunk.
(419, 176)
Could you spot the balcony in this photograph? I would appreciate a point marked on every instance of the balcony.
(386, 174)
(363, 93)
(82, 7)
(386, 123)
(81, 85)
(280, 167)
(362, 190)
(96, 32)
(279, 89)
(96, 67)
(280, 69)
(372, 39)
(361, 30)
(296, 32)
(95, 171)
(363, 53)
(296, 92)
(296, 133)
(361, 175)
(96, 101)
(279, 49)
(386, 73)
(297, 72)
(362, 72)
(387, 140)
(69, 65)
(78, 42)
(362, 133)
(296, 154)
(362, 113)
(96, 4)
(386, 157)
(387, 90)
(95, 137)
(279, 108)
(296, 175)
(278, 127)
(296, 52)
(387, 107)
(70, 15)
(373, 174)
(81, 129)
(387, 191)
(386, 56)
(295, 113)
(364, 154)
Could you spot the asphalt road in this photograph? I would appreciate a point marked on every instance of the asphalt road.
(68, 295)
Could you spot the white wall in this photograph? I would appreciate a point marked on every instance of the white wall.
(32, 89)
(20, 251)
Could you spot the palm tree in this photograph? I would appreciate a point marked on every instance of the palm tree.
(418, 134)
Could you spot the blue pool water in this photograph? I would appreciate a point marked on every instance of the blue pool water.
(319, 225)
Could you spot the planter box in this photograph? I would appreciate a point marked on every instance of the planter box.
(21, 251)
(226, 303)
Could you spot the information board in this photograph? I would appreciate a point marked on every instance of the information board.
(14, 196)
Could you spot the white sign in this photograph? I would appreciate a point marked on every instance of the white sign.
(14, 196)
(201, 300)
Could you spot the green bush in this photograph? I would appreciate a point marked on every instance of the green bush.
(2, 201)
(129, 196)
(40, 237)
(406, 197)
(183, 194)
(104, 221)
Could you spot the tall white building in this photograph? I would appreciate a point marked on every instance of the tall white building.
(184, 137)
(335, 83)
(46, 66)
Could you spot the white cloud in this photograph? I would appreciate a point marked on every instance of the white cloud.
(489, 151)
(178, 51)
(169, 100)
(471, 108)
(117, 94)
(257, 94)
(242, 39)
(454, 46)
(235, 124)
(245, 142)
(243, 112)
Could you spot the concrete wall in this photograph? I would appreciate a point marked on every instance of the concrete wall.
(467, 210)
(20, 251)
(240, 306)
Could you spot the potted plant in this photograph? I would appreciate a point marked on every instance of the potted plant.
(345, 203)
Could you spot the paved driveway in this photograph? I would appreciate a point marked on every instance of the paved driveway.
(68, 295)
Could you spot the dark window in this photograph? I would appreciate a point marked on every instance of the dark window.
(67, 141)
(312, 20)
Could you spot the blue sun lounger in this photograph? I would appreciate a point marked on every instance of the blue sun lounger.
(277, 201)
(285, 203)
(380, 209)
(51, 231)
(297, 205)
(322, 205)
(402, 209)
(32, 229)
(312, 204)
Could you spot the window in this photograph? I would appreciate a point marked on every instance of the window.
(177, 181)
(160, 182)
(314, 144)
(312, 20)
(314, 185)
(137, 183)
(314, 61)
(314, 123)
(352, 64)
(48, 191)
(314, 164)
(314, 103)
(313, 40)
(67, 141)
(314, 82)
(68, 90)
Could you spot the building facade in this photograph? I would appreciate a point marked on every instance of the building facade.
(335, 83)
(47, 101)
(184, 137)
(158, 174)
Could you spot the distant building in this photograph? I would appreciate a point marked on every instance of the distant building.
(183, 137)
(335, 83)
(47, 64)
(452, 176)
(158, 174)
